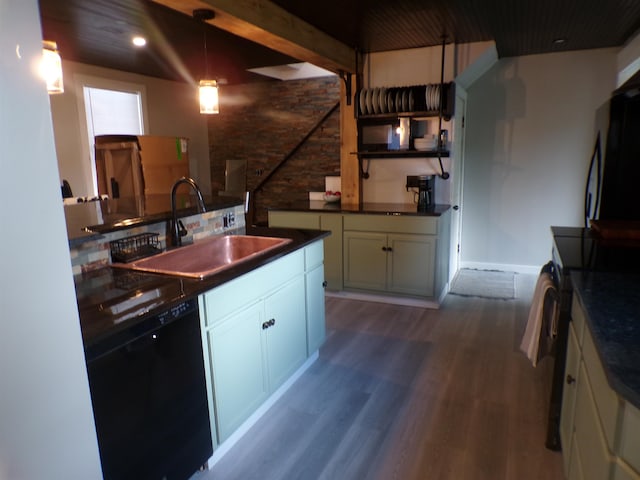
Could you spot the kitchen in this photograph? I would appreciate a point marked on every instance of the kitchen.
(505, 195)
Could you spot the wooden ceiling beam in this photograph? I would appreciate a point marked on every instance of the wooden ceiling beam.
(266, 23)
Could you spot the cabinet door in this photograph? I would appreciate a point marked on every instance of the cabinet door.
(239, 378)
(589, 438)
(316, 330)
(572, 366)
(286, 339)
(411, 264)
(365, 260)
(575, 468)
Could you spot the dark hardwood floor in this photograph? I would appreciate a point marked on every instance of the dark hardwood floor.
(409, 393)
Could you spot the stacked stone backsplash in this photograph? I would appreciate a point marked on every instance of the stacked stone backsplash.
(260, 123)
(95, 253)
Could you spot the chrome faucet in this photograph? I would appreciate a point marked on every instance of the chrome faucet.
(176, 232)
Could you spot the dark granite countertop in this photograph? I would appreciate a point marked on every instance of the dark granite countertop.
(365, 208)
(612, 305)
(113, 299)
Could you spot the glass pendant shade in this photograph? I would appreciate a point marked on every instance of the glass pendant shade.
(51, 67)
(209, 97)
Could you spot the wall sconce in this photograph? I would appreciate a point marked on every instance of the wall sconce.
(208, 89)
(51, 67)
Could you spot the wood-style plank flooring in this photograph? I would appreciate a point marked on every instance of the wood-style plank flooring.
(409, 393)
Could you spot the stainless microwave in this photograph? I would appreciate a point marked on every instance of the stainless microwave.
(380, 137)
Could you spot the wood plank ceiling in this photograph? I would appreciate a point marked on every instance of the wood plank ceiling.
(98, 32)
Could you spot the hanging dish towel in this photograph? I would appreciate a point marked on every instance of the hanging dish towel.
(541, 330)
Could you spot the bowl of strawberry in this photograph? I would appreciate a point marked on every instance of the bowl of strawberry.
(331, 197)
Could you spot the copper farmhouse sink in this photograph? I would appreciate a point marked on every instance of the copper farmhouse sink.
(207, 256)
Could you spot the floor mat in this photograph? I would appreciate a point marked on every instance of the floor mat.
(484, 284)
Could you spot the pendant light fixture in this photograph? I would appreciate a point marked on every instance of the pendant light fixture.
(208, 88)
(51, 67)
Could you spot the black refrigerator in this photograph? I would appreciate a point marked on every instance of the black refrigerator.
(613, 184)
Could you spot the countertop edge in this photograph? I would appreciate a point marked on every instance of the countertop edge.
(397, 209)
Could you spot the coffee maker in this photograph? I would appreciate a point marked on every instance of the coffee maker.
(426, 190)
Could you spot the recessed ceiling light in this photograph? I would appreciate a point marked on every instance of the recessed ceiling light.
(139, 41)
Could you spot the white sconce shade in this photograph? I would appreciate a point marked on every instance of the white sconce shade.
(209, 97)
(51, 67)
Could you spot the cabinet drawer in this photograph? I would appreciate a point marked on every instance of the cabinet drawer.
(229, 297)
(313, 255)
(391, 224)
(577, 318)
(630, 436)
(294, 220)
(607, 402)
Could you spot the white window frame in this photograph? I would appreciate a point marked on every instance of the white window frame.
(87, 147)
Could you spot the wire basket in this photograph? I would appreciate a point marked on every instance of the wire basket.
(134, 247)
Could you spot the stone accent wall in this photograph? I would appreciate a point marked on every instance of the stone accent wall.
(261, 123)
(95, 253)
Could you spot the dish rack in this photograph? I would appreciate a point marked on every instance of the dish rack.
(135, 247)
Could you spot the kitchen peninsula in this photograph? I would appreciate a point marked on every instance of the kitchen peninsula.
(391, 252)
(256, 325)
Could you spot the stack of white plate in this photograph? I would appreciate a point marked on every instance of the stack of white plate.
(428, 142)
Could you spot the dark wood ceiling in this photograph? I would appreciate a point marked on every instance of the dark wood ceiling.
(519, 27)
(98, 32)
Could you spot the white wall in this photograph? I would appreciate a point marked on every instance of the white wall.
(172, 109)
(530, 135)
(418, 66)
(46, 423)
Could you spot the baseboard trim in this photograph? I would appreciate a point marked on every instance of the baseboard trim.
(369, 297)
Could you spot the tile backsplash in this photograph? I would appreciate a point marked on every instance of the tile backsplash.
(95, 253)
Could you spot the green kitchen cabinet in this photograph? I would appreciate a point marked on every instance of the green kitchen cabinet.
(331, 222)
(572, 369)
(284, 332)
(314, 291)
(394, 254)
(598, 428)
(290, 219)
(254, 351)
(389, 263)
(240, 379)
(256, 331)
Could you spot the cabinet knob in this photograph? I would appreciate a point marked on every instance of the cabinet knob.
(570, 379)
(384, 249)
(324, 284)
(269, 323)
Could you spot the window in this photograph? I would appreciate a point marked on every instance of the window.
(110, 108)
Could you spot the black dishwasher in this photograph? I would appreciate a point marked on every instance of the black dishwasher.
(149, 397)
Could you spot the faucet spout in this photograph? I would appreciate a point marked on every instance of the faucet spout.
(175, 229)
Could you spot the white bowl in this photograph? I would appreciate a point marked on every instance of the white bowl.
(331, 198)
